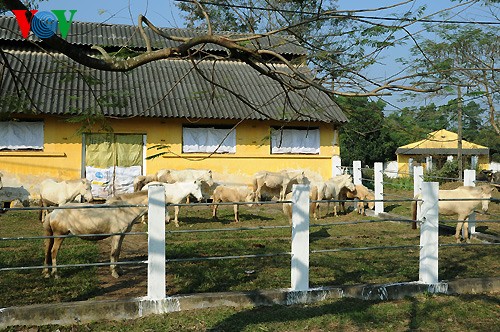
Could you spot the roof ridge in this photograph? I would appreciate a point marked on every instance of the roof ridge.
(119, 35)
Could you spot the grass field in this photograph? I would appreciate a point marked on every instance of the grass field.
(219, 238)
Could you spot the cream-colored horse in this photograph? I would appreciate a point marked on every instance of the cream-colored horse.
(282, 180)
(329, 190)
(54, 193)
(361, 193)
(86, 220)
(461, 208)
(176, 193)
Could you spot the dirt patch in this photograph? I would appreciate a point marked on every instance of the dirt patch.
(133, 282)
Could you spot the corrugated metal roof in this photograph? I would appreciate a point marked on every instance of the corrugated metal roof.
(167, 88)
(121, 35)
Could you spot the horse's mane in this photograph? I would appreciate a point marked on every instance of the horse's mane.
(127, 196)
(74, 180)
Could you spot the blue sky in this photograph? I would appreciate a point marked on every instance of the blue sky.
(161, 12)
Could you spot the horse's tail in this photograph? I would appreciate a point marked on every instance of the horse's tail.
(313, 196)
(257, 184)
(40, 213)
(414, 214)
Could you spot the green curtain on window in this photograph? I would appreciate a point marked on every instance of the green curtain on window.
(99, 150)
(128, 150)
(108, 150)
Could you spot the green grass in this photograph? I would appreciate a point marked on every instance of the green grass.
(28, 287)
(420, 313)
(242, 274)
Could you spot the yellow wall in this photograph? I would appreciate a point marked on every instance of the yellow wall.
(62, 155)
(483, 163)
(252, 152)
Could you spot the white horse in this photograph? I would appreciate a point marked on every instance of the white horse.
(1, 185)
(54, 193)
(204, 176)
(85, 221)
(330, 189)
(282, 180)
(176, 193)
(461, 208)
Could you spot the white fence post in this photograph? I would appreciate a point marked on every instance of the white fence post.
(156, 243)
(470, 177)
(418, 178)
(378, 171)
(356, 172)
(429, 239)
(300, 238)
(470, 180)
(336, 165)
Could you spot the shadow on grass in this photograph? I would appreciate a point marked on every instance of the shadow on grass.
(391, 207)
(319, 235)
(412, 314)
(224, 216)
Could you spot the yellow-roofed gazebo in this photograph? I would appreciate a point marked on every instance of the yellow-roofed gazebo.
(440, 146)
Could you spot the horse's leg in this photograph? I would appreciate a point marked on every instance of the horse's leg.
(466, 229)
(361, 208)
(167, 216)
(255, 187)
(55, 249)
(176, 215)
(236, 214)
(49, 243)
(116, 244)
(258, 184)
(458, 230)
(313, 209)
(257, 194)
(214, 211)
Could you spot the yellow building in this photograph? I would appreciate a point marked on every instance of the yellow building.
(440, 146)
(222, 115)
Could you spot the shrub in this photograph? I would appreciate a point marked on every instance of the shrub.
(446, 173)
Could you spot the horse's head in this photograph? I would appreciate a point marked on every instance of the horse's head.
(346, 181)
(196, 190)
(301, 177)
(164, 175)
(86, 190)
(209, 180)
(250, 198)
(486, 196)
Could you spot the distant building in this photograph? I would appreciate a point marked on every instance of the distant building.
(438, 148)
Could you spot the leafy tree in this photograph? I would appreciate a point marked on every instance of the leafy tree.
(33, 4)
(366, 137)
(466, 58)
(340, 44)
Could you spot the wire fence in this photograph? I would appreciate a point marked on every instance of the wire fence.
(216, 230)
(232, 229)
